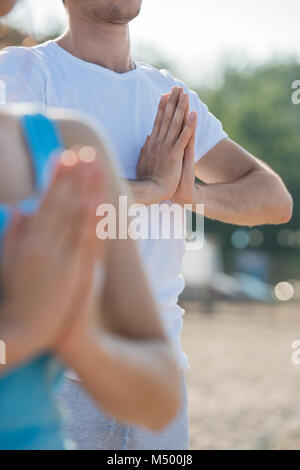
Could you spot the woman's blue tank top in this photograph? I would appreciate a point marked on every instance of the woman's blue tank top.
(29, 414)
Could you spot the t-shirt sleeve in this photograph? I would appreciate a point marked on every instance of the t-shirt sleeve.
(22, 78)
(209, 129)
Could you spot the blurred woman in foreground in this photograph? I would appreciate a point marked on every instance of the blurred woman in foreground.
(49, 312)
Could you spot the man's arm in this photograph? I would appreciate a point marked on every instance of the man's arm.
(240, 189)
(146, 192)
(160, 163)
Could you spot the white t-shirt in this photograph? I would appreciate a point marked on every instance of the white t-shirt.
(125, 105)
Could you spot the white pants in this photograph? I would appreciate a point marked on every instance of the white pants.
(91, 429)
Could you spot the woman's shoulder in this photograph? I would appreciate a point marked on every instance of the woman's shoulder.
(15, 173)
(80, 129)
(77, 130)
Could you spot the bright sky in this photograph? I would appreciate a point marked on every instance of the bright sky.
(198, 35)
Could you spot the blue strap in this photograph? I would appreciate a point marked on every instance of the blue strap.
(45, 143)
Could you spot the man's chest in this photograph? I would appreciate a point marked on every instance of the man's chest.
(126, 114)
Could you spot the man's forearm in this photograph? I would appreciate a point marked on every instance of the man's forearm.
(256, 199)
(146, 192)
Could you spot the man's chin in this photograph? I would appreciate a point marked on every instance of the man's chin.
(121, 15)
(111, 12)
(124, 18)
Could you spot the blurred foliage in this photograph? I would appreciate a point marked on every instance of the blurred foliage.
(150, 54)
(256, 109)
(10, 36)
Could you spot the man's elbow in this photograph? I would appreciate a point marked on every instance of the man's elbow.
(283, 211)
(278, 207)
(287, 211)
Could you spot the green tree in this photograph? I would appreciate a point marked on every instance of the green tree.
(256, 109)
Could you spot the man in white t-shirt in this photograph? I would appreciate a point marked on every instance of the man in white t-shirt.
(90, 68)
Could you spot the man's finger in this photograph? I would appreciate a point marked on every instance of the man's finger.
(189, 154)
(169, 112)
(178, 119)
(187, 132)
(187, 115)
(159, 116)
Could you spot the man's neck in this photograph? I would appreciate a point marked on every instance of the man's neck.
(103, 44)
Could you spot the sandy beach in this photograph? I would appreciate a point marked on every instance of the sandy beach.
(243, 386)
